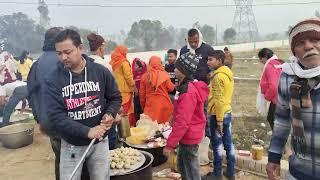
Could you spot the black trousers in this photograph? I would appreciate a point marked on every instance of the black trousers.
(270, 116)
(137, 108)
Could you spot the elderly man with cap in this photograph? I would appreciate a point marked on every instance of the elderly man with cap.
(298, 106)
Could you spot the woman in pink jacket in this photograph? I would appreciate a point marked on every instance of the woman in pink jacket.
(269, 81)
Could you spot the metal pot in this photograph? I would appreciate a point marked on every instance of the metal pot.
(144, 172)
(17, 135)
(157, 153)
(124, 127)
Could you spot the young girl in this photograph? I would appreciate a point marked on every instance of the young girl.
(138, 69)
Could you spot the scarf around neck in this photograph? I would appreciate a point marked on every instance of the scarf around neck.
(199, 44)
(304, 82)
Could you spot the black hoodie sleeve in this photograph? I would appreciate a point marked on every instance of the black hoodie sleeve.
(33, 89)
(183, 50)
(112, 95)
(58, 116)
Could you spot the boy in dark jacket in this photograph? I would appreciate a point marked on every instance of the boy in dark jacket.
(83, 99)
(172, 56)
(189, 120)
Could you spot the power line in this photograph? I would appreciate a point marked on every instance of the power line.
(158, 6)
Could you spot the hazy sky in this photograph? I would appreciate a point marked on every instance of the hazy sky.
(110, 20)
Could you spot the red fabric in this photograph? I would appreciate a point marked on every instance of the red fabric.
(156, 103)
(189, 117)
(156, 72)
(132, 120)
(126, 107)
(7, 77)
(270, 80)
(137, 73)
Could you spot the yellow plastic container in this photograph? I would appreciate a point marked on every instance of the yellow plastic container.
(257, 152)
(173, 161)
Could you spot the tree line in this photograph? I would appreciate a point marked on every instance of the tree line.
(18, 32)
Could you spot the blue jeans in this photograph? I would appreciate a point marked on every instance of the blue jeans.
(188, 162)
(19, 93)
(219, 142)
(207, 129)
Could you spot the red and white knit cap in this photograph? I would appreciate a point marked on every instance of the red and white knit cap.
(309, 28)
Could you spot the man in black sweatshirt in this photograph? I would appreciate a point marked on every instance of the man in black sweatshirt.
(83, 100)
(40, 69)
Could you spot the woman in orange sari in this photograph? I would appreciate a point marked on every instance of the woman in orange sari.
(154, 88)
(123, 75)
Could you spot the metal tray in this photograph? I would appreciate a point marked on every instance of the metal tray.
(115, 172)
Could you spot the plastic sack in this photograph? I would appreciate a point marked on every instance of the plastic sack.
(167, 133)
(167, 173)
(204, 150)
(138, 135)
(146, 123)
(173, 161)
(262, 104)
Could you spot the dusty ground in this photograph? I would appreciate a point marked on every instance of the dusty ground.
(28, 163)
(36, 162)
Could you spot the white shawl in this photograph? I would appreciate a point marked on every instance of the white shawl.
(262, 104)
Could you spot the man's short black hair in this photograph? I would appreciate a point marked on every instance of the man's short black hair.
(69, 34)
(193, 32)
(52, 33)
(265, 53)
(175, 52)
(218, 54)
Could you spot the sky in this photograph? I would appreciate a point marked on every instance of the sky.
(111, 20)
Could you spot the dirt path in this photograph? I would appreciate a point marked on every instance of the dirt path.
(36, 162)
(28, 163)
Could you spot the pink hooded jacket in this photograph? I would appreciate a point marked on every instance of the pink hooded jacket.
(270, 80)
(189, 118)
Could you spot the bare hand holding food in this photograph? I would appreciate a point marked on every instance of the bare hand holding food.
(107, 121)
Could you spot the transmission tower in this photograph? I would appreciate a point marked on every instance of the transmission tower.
(244, 21)
(44, 14)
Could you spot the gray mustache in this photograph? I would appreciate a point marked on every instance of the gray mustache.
(312, 52)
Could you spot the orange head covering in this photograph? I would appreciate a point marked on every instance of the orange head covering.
(156, 72)
(118, 56)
